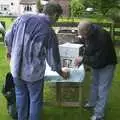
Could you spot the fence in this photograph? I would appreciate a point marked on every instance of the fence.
(113, 28)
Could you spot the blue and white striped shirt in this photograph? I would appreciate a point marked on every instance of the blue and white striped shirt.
(31, 41)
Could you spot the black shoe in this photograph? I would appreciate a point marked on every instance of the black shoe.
(88, 106)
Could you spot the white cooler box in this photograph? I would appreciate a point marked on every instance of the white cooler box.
(68, 53)
(71, 88)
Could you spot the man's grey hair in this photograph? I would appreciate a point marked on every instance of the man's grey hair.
(51, 8)
(85, 26)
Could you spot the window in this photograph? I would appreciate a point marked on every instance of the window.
(4, 7)
(28, 8)
(11, 3)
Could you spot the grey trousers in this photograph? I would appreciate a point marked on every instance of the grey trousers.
(101, 82)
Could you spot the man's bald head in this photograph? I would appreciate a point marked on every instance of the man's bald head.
(84, 28)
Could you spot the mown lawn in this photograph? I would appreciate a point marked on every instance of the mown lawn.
(52, 112)
(8, 21)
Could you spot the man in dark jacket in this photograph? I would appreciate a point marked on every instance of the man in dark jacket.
(101, 57)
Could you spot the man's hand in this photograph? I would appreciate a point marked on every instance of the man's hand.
(65, 72)
(8, 57)
(78, 61)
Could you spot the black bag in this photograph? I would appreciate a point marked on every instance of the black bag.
(8, 91)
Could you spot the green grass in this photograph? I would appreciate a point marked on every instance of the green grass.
(52, 112)
(8, 21)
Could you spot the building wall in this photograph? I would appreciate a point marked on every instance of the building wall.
(22, 9)
(9, 6)
(14, 7)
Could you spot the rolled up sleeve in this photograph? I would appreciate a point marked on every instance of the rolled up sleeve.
(9, 35)
(53, 56)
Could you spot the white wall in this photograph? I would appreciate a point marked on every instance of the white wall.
(12, 6)
(34, 10)
(16, 8)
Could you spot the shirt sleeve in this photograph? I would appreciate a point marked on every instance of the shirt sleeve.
(53, 56)
(9, 35)
(8, 41)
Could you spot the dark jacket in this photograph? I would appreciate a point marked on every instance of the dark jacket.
(8, 89)
(99, 48)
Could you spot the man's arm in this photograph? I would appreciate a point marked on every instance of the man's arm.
(9, 35)
(8, 42)
(53, 56)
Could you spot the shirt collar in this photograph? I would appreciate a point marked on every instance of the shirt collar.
(46, 18)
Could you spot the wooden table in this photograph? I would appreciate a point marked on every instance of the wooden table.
(69, 94)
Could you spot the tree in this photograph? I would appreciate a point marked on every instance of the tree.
(39, 6)
(92, 3)
(76, 8)
(106, 5)
(102, 6)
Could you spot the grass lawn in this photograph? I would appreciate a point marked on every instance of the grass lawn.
(8, 21)
(52, 112)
